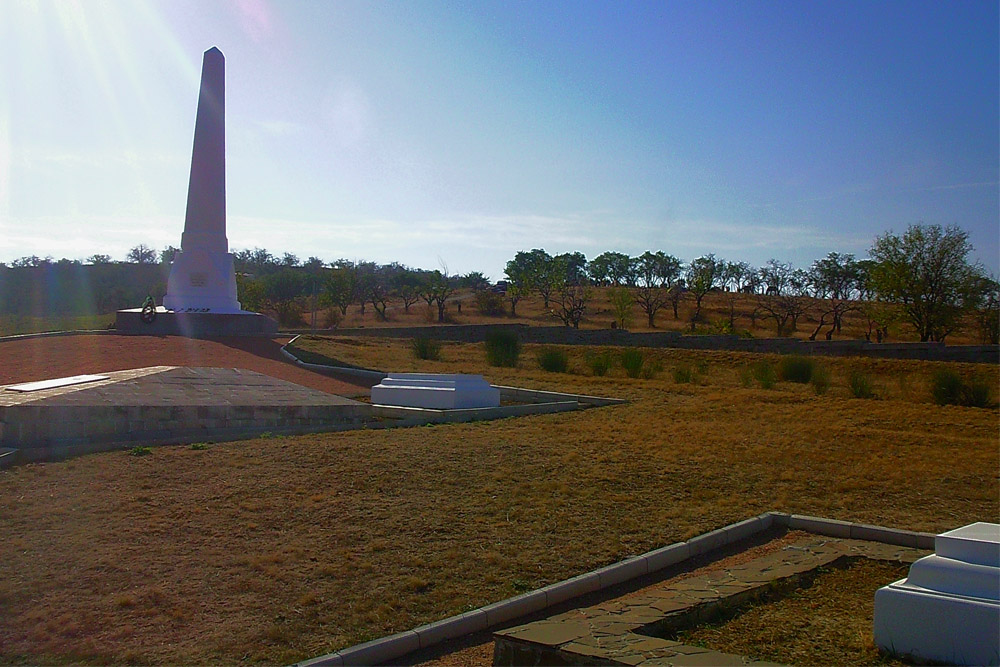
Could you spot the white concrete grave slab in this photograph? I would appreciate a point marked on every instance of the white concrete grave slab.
(948, 607)
(435, 391)
(55, 383)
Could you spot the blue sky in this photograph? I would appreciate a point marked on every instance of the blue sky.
(455, 134)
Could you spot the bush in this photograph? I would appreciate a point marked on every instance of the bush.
(427, 348)
(796, 368)
(490, 304)
(553, 360)
(650, 370)
(820, 380)
(761, 372)
(140, 451)
(683, 374)
(599, 363)
(199, 446)
(632, 362)
(860, 385)
(948, 388)
(502, 348)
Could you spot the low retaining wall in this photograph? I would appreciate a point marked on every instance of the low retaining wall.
(395, 646)
(555, 335)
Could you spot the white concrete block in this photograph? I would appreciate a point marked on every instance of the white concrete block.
(435, 391)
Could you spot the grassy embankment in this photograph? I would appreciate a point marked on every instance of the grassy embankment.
(279, 549)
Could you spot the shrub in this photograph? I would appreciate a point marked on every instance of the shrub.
(553, 360)
(796, 368)
(427, 348)
(820, 380)
(502, 348)
(650, 370)
(199, 446)
(490, 304)
(599, 363)
(860, 385)
(632, 362)
(140, 451)
(763, 373)
(683, 374)
(948, 388)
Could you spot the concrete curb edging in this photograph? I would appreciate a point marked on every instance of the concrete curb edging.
(398, 645)
(363, 373)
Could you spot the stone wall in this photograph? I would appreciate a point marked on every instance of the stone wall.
(558, 335)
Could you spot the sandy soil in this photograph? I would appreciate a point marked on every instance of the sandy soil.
(26, 360)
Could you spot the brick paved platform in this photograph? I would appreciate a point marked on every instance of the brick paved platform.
(630, 630)
(163, 405)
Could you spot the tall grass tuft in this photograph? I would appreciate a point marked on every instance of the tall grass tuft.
(650, 369)
(553, 360)
(860, 385)
(599, 363)
(427, 348)
(683, 374)
(632, 362)
(820, 379)
(761, 372)
(503, 348)
(948, 388)
(796, 368)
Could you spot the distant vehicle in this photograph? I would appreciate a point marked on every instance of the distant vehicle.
(500, 287)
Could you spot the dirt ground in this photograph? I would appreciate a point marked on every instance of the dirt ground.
(27, 360)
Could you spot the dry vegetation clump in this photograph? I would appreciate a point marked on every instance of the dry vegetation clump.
(826, 623)
(275, 550)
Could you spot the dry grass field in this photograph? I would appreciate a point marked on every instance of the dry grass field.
(278, 549)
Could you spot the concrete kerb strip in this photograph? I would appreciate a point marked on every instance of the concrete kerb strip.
(395, 646)
(363, 373)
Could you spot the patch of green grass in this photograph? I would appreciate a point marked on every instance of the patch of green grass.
(820, 379)
(599, 363)
(140, 451)
(860, 384)
(683, 374)
(426, 348)
(796, 368)
(632, 360)
(553, 360)
(503, 348)
(199, 446)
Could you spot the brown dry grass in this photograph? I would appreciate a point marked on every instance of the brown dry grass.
(826, 623)
(273, 550)
(600, 315)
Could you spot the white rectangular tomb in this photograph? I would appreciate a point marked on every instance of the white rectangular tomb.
(435, 391)
(948, 607)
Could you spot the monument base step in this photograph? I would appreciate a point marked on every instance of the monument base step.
(195, 325)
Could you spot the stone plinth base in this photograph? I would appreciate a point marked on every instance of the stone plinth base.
(948, 609)
(195, 325)
(435, 391)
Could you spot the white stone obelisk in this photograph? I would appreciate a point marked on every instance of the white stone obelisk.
(202, 278)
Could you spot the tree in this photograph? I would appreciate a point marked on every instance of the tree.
(612, 268)
(575, 266)
(835, 282)
(477, 281)
(374, 286)
(703, 275)
(988, 315)
(656, 274)
(927, 272)
(621, 305)
(340, 286)
(283, 293)
(406, 283)
(99, 259)
(437, 288)
(141, 254)
(785, 299)
(167, 254)
(572, 303)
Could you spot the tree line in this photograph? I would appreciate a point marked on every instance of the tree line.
(923, 277)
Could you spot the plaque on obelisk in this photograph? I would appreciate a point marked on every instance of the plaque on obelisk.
(201, 289)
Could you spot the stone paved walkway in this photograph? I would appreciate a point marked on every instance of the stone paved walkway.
(629, 630)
